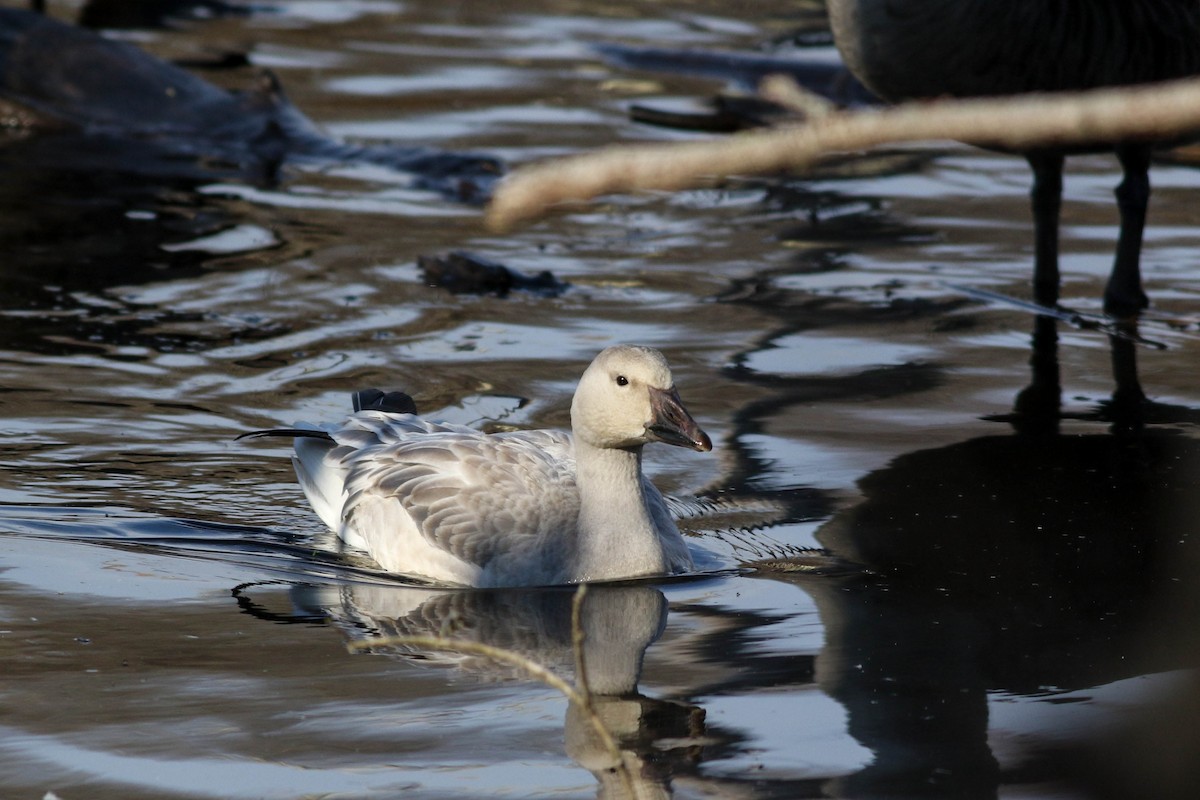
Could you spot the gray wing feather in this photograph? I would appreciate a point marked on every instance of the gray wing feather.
(469, 493)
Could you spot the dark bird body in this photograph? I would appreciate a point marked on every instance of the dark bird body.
(914, 49)
(147, 114)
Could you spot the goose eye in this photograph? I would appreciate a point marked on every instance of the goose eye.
(622, 380)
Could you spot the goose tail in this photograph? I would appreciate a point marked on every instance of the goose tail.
(322, 484)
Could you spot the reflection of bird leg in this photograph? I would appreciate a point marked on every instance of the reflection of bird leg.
(1036, 409)
(1046, 199)
(1124, 295)
(1128, 400)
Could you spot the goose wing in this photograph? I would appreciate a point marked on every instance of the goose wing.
(473, 495)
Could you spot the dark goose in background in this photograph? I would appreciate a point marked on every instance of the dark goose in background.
(908, 49)
(134, 112)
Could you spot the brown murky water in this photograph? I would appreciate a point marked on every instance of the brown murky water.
(169, 627)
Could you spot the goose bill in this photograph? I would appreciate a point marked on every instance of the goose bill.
(673, 424)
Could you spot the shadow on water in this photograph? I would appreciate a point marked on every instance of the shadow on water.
(123, 231)
(1038, 564)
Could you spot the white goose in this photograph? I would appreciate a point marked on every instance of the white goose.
(522, 508)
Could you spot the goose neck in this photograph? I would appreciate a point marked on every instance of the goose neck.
(616, 536)
(607, 475)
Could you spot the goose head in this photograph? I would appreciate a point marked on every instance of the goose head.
(627, 398)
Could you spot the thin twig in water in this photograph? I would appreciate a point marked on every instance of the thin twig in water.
(1077, 319)
(577, 636)
(1152, 111)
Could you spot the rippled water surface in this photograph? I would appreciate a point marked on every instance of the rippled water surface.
(1008, 600)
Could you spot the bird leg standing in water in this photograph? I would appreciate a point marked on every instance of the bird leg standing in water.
(1124, 290)
(1123, 294)
(1046, 200)
(916, 49)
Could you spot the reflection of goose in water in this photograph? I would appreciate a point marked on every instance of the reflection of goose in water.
(906, 49)
(618, 623)
(108, 104)
(521, 508)
(1036, 563)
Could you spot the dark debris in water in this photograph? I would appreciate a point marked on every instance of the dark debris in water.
(461, 272)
